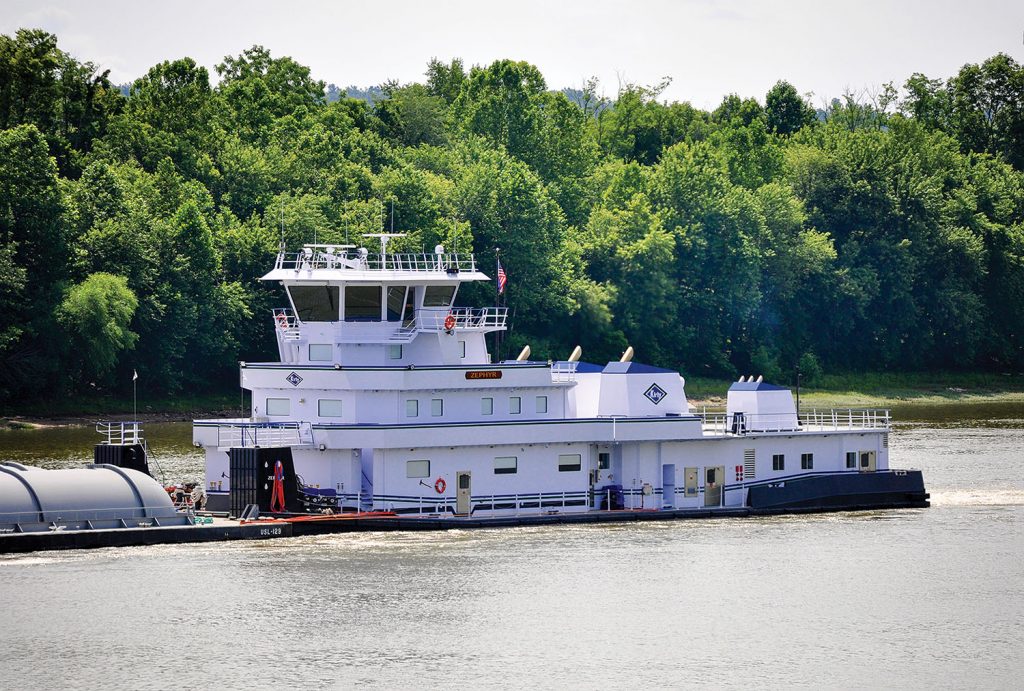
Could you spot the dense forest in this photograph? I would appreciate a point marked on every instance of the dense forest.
(883, 232)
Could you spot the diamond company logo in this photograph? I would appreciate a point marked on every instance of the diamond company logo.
(294, 379)
(655, 394)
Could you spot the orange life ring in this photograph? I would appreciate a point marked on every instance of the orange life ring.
(440, 485)
(282, 320)
(449, 322)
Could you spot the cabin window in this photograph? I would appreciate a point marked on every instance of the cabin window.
(362, 303)
(396, 301)
(569, 462)
(807, 461)
(329, 407)
(437, 407)
(604, 460)
(865, 459)
(395, 352)
(279, 406)
(851, 459)
(417, 468)
(542, 404)
(462, 347)
(487, 406)
(321, 352)
(515, 405)
(438, 296)
(505, 465)
(315, 303)
(412, 408)
(410, 308)
(779, 462)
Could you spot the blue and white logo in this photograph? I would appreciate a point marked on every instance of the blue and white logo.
(294, 379)
(655, 394)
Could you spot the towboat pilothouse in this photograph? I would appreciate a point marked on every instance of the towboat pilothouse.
(386, 399)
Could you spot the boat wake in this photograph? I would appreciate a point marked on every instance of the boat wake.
(978, 497)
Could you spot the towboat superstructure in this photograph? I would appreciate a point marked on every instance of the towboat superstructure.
(385, 398)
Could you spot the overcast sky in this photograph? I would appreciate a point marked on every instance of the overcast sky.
(709, 49)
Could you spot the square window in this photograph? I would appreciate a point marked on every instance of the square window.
(363, 303)
(394, 352)
(515, 405)
(437, 407)
(807, 461)
(278, 406)
(417, 468)
(315, 303)
(321, 352)
(487, 406)
(851, 459)
(604, 460)
(329, 407)
(569, 462)
(412, 408)
(505, 465)
(779, 462)
(542, 404)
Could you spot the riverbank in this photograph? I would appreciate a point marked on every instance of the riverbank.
(87, 411)
(870, 390)
(883, 390)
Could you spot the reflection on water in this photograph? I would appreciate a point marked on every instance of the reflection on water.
(924, 597)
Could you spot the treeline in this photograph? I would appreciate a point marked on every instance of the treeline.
(882, 233)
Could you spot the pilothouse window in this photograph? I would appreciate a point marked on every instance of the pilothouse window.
(438, 296)
(396, 301)
(362, 303)
(315, 303)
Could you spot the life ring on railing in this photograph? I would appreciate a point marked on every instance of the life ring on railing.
(440, 485)
(282, 321)
(449, 322)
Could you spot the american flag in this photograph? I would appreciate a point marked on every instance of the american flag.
(502, 279)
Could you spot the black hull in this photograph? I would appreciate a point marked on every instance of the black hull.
(889, 489)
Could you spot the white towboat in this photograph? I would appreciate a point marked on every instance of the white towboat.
(385, 399)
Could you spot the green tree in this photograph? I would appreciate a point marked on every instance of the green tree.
(786, 110)
(96, 315)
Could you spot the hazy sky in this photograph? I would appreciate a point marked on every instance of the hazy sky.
(709, 49)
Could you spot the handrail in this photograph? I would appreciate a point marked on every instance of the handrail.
(255, 434)
(563, 371)
(121, 433)
(813, 420)
(356, 260)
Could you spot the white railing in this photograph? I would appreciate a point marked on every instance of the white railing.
(846, 418)
(463, 319)
(356, 260)
(287, 324)
(120, 433)
(813, 420)
(540, 502)
(563, 371)
(252, 434)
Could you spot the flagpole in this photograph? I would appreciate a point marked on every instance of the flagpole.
(497, 302)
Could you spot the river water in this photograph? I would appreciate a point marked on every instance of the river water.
(913, 598)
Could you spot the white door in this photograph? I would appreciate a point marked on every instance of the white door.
(714, 478)
(668, 486)
(463, 494)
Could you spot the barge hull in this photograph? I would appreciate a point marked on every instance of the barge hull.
(903, 496)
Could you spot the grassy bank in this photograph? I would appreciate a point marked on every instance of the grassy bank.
(883, 389)
(85, 410)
